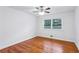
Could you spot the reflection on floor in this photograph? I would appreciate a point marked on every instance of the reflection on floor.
(42, 45)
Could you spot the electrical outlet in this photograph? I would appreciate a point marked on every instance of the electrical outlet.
(51, 35)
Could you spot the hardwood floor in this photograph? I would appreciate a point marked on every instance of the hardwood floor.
(42, 45)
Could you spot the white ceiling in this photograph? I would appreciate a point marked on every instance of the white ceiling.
(54, 9)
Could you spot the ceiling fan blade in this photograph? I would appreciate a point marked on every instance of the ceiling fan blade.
(41, 6)
(48, 8)
(47, 11)
(37, 7)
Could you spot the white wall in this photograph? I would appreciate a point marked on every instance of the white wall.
(15, 26)
(66, 33)
(77, 25)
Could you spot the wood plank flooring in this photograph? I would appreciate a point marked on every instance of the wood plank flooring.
(42, 45)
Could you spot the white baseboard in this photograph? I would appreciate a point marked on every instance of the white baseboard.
(57, 38)
(17, 42)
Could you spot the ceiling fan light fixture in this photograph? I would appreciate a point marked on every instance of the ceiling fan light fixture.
(42, 10)
(41, 13)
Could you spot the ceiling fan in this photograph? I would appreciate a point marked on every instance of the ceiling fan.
(41, 10)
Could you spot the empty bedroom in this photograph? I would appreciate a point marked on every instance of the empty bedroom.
(39, 29)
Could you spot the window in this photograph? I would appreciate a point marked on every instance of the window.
(47, 24)
(56, 24)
